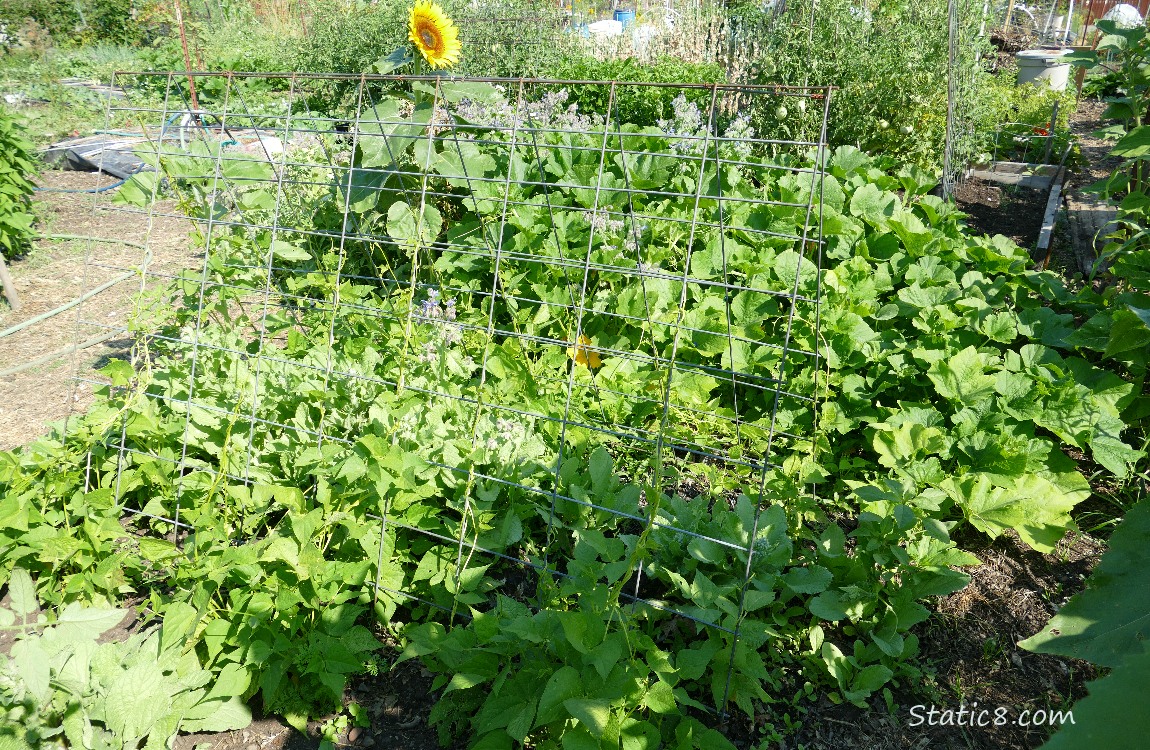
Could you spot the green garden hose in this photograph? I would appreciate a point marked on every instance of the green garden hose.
(87, 295)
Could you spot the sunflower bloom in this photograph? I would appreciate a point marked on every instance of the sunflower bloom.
(434, 34)
(583, 354)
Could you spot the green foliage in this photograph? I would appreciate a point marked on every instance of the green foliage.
(1020, 116)
(640, 105)
(1117, 325)
(508, 38)
(78, 21)
(889, 65)
(349, 40)
(944, 390)
(1107, 625)
(245, 47)
(17, 165)
(512, 38)
(60, 683)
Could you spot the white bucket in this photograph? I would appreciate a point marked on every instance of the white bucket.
(1044, 67)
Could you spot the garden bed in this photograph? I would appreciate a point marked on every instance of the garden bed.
(1015, 212)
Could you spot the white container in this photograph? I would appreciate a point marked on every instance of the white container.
(606, 28)
(1044, 67)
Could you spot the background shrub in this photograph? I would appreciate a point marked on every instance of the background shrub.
(889, 65)
(349, 41)
(81, 21)
(640, 105)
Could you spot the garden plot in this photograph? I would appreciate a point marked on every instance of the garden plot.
(58, 272)
(483, 373)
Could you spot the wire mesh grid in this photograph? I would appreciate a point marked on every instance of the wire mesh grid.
(966, 48)
(567, 332)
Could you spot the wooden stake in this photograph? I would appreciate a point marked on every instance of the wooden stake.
(188, 58)
(1005, 21)
(9, 287)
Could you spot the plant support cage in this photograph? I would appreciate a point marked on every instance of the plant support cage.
(542, 344)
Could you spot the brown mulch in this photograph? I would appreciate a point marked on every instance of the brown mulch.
(57, 272)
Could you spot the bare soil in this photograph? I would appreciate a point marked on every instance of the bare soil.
(1012, 211)
(58, 272)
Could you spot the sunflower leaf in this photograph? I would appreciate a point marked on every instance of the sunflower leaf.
(396, 60)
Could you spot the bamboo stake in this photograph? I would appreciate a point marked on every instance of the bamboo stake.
(1005, 20)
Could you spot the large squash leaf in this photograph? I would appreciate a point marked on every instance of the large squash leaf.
(1109, 621)
(1113, 715)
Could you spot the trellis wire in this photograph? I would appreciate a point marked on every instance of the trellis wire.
(966, 45)
(315, 155)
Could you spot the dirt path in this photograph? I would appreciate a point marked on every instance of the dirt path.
(58, 272)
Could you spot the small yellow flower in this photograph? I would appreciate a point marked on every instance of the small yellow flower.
(583, 355)
(434, 34)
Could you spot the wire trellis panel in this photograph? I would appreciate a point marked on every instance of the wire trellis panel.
(525, 333)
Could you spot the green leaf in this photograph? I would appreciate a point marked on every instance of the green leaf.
(223, 716)
(1000, 327)
(22, 592)
(869, 679)
(1037, 507)
(180, 619)
(1128, 332)
(574, 626)
(413, 228)
(232, 680)
(77, 623)
(137, 698)
(808, 580)
(286, 251)
(580, 739)
(639, 735)
(660, 698)
(872, 203)
(606, 655)
(593, 714)
(1113, 454)
(475, 91)
(1134, 144)
(829, 606)
(562, 685)
(908, 441)
(963, 378)
(34, 667)
(397, 59)
(138, 190)
(1113, 714)
(1109, 621)
(522, 723)
(464, 681)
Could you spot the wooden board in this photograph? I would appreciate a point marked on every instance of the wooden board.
(1051, 216)
(1016, 173)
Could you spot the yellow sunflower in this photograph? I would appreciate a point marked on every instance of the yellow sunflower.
(583, 354)
(434, 34)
